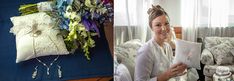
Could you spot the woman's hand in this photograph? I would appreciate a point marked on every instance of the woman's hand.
(175, 70)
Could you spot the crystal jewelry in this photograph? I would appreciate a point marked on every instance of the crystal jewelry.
(34, 73)
(35, 34)
(48, 66)
(59, 71)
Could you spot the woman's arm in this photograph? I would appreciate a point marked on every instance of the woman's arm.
(144, 66)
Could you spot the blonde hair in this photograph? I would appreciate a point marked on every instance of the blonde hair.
(154, 12)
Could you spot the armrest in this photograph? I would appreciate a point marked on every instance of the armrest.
(207, 58)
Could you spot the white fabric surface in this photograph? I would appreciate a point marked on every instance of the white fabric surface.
(29, 43)
(44, 6)
(232, 51)
(126, 53)
(188, 52)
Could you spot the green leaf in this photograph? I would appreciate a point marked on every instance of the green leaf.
(28, 9)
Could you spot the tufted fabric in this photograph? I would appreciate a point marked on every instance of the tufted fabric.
(222, 53)
(207, 57)
(126, 54)
(220, 49)
(217, 51)
(37, 35)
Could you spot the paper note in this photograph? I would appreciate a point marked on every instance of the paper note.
(188, 53)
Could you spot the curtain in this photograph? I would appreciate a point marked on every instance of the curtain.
(210, 17)
(189, 14)
(131, 20)
(215, 31)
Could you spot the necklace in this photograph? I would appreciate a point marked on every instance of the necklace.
(48, 68)
(34, 74)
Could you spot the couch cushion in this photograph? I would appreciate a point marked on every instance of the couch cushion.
(222, 53)
(232, 51)
(126, 53)
(207, 57)
(209, 70)
(211, 41)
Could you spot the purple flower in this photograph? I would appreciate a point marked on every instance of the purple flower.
(86, 14)
(90, 25)
(86, 23)
(106, 1)
(96, 15)
(110, 13)
(94, 26)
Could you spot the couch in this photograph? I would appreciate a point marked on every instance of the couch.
(125, 57)
(125, 54)
(217, 51)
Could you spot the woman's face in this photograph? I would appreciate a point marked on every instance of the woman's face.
(161, 27)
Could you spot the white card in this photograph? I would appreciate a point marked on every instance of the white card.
(188, 53)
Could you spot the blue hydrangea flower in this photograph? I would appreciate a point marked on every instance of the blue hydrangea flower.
(61, 6)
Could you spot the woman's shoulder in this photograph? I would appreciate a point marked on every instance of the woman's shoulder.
(145, 53)
(146, 48)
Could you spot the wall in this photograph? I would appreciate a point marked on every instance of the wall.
(172, 7)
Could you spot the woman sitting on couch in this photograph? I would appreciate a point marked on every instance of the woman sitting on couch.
(154, 58)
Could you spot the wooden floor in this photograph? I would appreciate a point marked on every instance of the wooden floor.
(95, 79)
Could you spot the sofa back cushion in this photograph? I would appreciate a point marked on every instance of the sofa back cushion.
(220, 48)
(126, 54)
(222, 53)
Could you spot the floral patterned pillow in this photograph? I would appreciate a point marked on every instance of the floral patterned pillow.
(207, 57)
(232, 51)
(212, 41)
(36, 35)
(126, 54)
(222, 53)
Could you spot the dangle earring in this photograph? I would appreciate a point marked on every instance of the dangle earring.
(59, 71)
(34, 73)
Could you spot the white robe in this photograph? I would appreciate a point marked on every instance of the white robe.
(152, 60)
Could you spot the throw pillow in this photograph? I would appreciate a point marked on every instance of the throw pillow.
(188, 53)
(37, 35)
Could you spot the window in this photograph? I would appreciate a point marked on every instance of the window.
(125, 12)
(215, 13)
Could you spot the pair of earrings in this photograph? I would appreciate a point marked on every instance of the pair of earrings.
(34, 74)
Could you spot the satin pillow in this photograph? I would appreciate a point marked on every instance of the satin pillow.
(37, 35)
